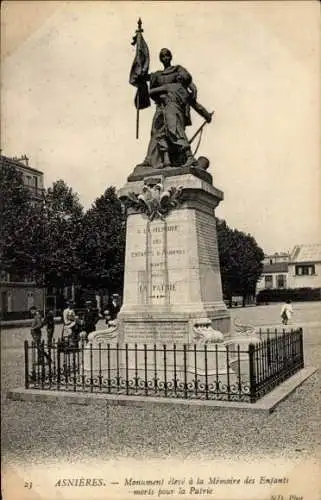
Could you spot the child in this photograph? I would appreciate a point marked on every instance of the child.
(36, 325)
(286, 312)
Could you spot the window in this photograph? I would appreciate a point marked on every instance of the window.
(29, 278)
(268, 280)
(9, 302)
(305, 270)
(30, 300)
(17, 277)
(281, 281)
(4, 276)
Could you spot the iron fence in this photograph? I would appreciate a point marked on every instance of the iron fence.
(178, 371)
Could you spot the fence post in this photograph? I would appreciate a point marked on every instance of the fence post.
(108, 368)
(252, 375)
(239, 377)
(145, 370)
(50, 351)
(26, 364)
(165, 370)
(100, 377)
(185, 371)
(228, 385)
(136, 368)
(33, 361)
(74, 369)
(117, 367)
(155, 369)
(301, 348)
(91, 367)
(59, 347)
(82, 365)
(195, 370)
(283, 350)
(126, 368)
(206, 374)
(43, 368)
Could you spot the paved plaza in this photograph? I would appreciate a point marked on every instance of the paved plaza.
(36, 431)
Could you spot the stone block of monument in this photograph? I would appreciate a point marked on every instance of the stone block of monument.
(172, 274)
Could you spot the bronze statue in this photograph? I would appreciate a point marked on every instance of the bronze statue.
(174, 93)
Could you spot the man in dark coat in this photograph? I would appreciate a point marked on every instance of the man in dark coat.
(36, 326)
(90, 318)
(50, 324)
(114, 307)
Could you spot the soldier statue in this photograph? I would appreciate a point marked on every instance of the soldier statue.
(174, 93)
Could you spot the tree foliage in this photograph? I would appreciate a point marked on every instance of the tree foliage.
(241, 261)
(19, 222)
(62, 219)
(56, 240)
(103, 244)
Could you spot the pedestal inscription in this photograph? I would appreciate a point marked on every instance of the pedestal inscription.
(156, 332)
(156, 248)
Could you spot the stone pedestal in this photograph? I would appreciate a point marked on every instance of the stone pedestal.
(172, 284)
(172, 273)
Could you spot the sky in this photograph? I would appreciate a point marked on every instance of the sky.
(67, 104)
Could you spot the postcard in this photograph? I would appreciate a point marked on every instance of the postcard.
(161, 252)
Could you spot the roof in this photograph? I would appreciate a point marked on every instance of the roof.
(4, 160)
(277, 267)
(306, 253)
(276, 254)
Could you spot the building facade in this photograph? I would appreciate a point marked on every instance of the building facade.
(299, 269)
(275, 272)
(305, 266)
(19, 292)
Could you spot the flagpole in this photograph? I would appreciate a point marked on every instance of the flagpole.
(139, 30)
(137, 117)
(138, 72)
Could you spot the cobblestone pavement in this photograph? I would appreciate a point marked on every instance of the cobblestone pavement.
(37, 432)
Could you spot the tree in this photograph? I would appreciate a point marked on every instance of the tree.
(20, 224)
(61, 231)
(103, 244)
(240, 261)
(54, 239)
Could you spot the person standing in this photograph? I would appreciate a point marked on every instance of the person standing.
(114, 307)
(90, 318)
(36, 326)
(69, 318)
(286, 312)
(50, 324)
(36, 333)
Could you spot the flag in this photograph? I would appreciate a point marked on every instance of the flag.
(139, 71)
